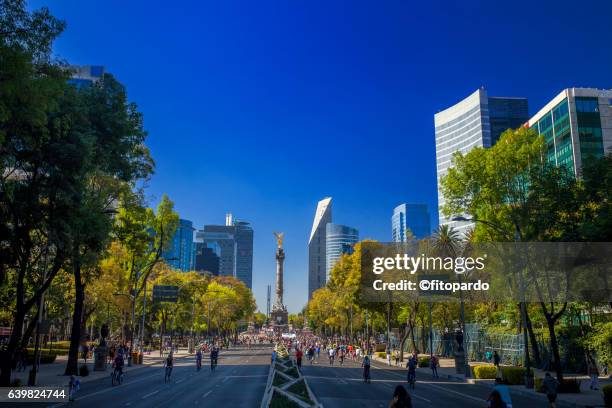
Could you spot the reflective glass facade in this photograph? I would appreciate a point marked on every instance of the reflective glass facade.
(476, 121)
(576, 126)
(340, 239)
(180, 254)
(410, 219)
(317, 277)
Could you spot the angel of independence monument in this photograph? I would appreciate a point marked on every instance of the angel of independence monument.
(279, 314)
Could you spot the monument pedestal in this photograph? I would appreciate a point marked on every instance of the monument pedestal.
(280, 317)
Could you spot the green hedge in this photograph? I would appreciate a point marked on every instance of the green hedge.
(424, 361)
(278, 380)
(381, 354)
(299, 389)
(513, 375)
(484, 371)
(280, 401)
(607, 394)
(45, 358)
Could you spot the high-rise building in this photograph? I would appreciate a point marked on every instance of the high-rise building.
(576, 125)
(179, 255)
(410, 220)
(206, 258)
(85, 75)
(235, 247)
(476, 121)
(317, 248)
(339, 239)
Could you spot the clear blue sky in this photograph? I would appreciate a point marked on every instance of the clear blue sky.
(263, 108)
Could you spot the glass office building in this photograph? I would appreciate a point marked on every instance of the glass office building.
(476, 121)
(576, 126)
(233, 245)
(410, 220)
(180, 254)
(339, 239)
(317, 246)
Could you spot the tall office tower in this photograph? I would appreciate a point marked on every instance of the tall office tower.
(85, 75)
(179, 255)
(206, 259)
(316, 246)
(577, 126)
(410, 219)
(339, 239)
(476, 121)
(235, 247)
(243, 234)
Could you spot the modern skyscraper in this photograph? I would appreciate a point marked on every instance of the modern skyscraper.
(179, 256)
(576, 125)
(206, 258)
(235, 247)
(317, 248)
(476, 121)
(410, 217)
(339, 239)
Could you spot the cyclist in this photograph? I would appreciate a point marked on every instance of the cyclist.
(366, 369)
(118, 365)
(214, 355)
(199, 359)
(412, 364)
(168, 364)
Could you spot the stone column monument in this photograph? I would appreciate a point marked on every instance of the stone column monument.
(279, 311)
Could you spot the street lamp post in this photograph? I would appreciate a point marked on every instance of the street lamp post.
(516, 238)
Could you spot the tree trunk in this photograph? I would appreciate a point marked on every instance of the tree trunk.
(555, 348)
(532, 338)
(8, 355)
(77, 322)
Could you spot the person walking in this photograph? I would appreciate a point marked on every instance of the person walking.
(550, 385)
(401, 398)
(594, 374)
(366, 369)
(396, 354)
(496, 361)
(298, 358)
(503, 391)
(495, 400)
(433, 364)
(412, 365)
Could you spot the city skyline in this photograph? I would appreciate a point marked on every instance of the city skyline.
(321, 93)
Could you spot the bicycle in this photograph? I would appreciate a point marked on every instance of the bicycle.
(213, 364)
(168, 374)
(411, 380)
(116, 377)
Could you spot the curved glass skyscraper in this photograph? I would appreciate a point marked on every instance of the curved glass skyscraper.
(476, 121)
(340, 239)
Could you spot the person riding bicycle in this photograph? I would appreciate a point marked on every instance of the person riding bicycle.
(412, 365)
(198, 358)
(118, 364)
(366, 369)
(214, 355)
(168, 364)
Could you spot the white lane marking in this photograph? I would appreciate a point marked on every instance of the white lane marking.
(179, 381)
(149, 394)
(207, 394)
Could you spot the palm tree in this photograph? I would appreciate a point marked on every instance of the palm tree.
(448, 242)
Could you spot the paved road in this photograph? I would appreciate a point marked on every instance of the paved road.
(342, 386)
(238, 381)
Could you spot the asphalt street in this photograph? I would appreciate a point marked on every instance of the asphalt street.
(238, 381)
(343, 386)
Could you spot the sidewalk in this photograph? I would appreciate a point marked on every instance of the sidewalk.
(53, 374)
(586, 397)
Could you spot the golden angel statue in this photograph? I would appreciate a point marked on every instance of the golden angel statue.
(279, 238)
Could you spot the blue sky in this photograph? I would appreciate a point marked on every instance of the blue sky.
(262, 108)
